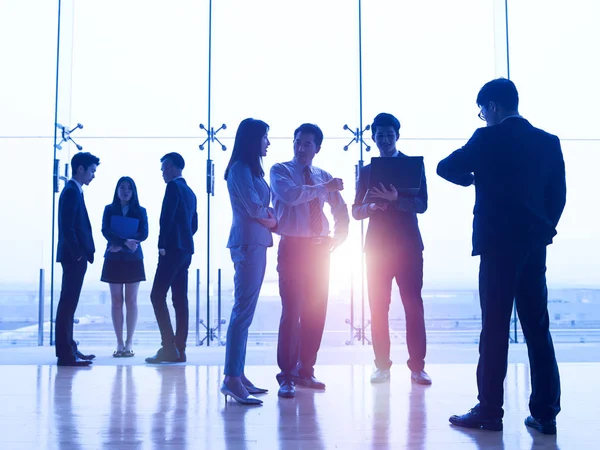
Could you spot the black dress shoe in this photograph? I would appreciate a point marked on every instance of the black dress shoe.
(164, 355)
(475, 419)
(287, 389)
(543, 426)
(73, 362)
(182, 355)
(309, 382)
(80, 355)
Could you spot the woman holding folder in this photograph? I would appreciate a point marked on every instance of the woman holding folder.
(124, 225)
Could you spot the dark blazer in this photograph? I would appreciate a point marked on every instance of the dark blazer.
(520, 187)
(75, 238)
(396, 228)
(178, 217)
(113, 238)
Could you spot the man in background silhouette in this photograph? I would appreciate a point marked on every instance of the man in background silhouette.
(178, 224)
(75, 249)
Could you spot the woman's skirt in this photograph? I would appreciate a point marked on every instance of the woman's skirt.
(123, 272)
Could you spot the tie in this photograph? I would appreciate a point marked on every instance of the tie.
(314, 207)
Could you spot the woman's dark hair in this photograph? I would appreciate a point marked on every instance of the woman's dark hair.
(247, 146)
(134, 203)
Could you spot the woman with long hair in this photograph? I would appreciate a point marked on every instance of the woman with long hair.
(249, 238)
(124, 225)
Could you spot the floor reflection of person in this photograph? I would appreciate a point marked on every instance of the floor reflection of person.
(66, 415)
(169, 421)
(123, 427)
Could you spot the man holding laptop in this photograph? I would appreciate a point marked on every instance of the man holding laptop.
(393, 246)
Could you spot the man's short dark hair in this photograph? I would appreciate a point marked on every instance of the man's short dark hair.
(83, 159)
(310, 128)
(174, 158)
(385, 120)
(501, 91)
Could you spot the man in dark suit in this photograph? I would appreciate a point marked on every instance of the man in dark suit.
(178, 224)
(75, 249)
(394, 250)
(519, 176)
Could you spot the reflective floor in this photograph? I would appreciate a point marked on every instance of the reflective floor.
(180, 407)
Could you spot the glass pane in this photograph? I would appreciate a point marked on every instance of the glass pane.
(281, 73)
(116, 160)
(291, 66)
(25, 246)
(125, 83)
(141, 72)
(555, 68)
(420, 65)
(425, 63)
(28, 56)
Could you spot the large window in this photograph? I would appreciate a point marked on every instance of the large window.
(137, 76)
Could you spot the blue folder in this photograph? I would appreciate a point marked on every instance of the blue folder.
(124, 227)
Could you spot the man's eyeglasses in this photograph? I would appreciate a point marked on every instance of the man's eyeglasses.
(480, 115)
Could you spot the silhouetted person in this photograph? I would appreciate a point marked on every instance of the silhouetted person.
(394, 250)
(299, 193)
(249, 238)
(75, 249)
(178, 224)
(123, 267)
(519, 176)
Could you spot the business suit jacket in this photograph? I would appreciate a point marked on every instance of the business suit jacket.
(178, 217)
(113, 239)
(250, 198)
(520, 186)
(397, 228)
(75, 238)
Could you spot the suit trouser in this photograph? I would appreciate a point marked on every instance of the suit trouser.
(249, 262)
(507, 276)
(303, 266)
(407, 268)
(172, 272)
(72, 282)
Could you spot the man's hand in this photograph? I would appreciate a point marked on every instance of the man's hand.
(334, 185)
(391, 194)
(162, 252)
(269, 222)
(114, 248)
(132, 244)
(377, 206)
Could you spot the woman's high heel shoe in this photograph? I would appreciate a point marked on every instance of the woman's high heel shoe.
(250, 400)
(255, 390)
